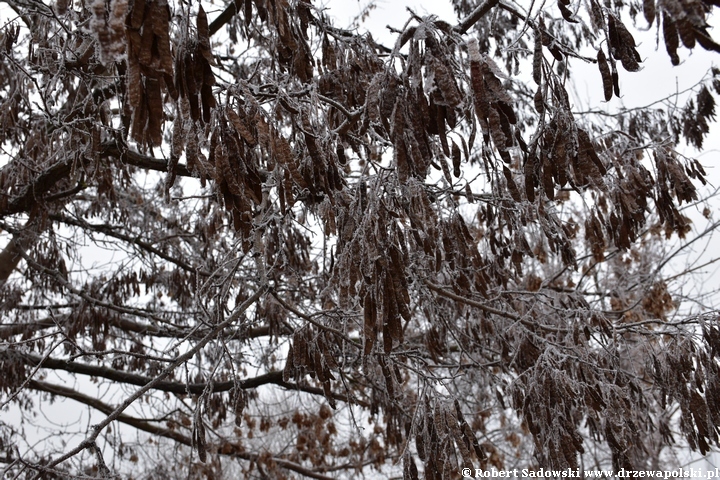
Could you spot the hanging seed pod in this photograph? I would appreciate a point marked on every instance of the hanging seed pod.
(605, 74)
(539, 101)
(615, 79)
(649, 11)
(537, 58)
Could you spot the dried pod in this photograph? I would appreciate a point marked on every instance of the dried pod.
(512, 186)
(566, 12)
(539, 101)
(61, 7)
(545, 38)
(703, 38)
(615, 79)
(556, 53)
(537, 58)
(686, 32)
(649, 11)
(530, 177)
(456, 158)
(605, 74)
(670, 34)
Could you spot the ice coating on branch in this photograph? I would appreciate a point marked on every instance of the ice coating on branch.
(474, 50)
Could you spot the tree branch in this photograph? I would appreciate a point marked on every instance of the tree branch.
(9, 259)
(179, 388)
(140, 380)
(223, 18)
(111, 232)
(136, 159)
(107, 409)
(90, 439)
(442, 292)
(225, 448)
(29, 196)
(485, 308)
(479, 12)
(7, 331)
(43, 182)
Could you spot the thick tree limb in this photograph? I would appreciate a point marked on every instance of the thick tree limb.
(9, 259)
(15, 249)
(29, 196)
(43, 182)
(136, 159)
(222, 19)
(140, 380)
(7, 331)
(479, 12)
(270, 378)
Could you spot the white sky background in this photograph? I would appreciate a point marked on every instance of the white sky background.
(656, 80)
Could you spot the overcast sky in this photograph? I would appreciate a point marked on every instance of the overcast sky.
(657, 79)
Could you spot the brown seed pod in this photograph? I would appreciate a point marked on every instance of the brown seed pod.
(687, 33)
(704, 39)
(556, 53)
(670, 35)
(61, 7)
(530, 177)
(136, 14)
(545, 38)
(512, 186)
(161, 28)
(566, 12)
(615, 79)
(537, 58)
(539, 101)
(605, 74)
(597, 17)
(155, 111)
(649, 11)
(456, 158)
(480, 95)
(613, 37)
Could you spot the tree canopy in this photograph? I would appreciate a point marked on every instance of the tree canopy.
(256, 243)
